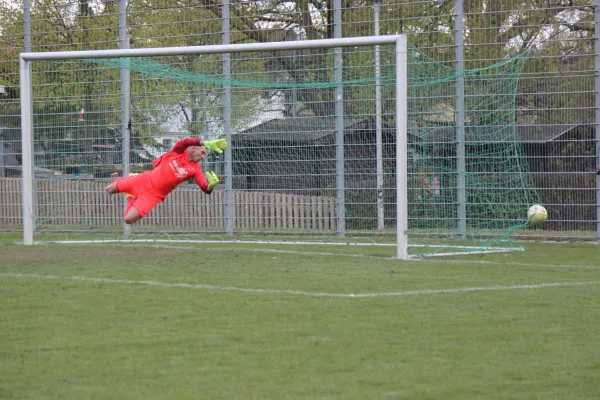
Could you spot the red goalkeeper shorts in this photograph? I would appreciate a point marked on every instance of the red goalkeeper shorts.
(147, 197)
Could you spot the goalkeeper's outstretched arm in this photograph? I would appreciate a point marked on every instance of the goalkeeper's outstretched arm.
(206, 182)
(217, 145)
(183, 144)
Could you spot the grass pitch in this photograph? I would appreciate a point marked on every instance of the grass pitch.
(283, 322)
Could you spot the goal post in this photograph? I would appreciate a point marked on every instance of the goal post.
(399, 122)
(361, 141)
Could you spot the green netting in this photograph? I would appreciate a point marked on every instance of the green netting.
(284, 154)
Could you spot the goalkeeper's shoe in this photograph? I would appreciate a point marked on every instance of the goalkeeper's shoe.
(129, 195)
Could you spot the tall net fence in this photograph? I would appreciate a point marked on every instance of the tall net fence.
(554, 107)
(286, 132)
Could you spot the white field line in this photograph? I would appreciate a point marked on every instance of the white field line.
(276, 242)
(411, 258)
(298, 292)
(325, 254)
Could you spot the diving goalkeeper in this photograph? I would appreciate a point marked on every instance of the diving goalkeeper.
(146, 190)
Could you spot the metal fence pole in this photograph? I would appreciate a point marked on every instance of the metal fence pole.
(1, 153)
(27, 48)
(597, 108)
(229, 206)
(125, 102)
(339, 122)
(460, 119)
(378, 123)
(27, 26)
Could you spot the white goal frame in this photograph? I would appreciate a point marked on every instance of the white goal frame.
(401, 111)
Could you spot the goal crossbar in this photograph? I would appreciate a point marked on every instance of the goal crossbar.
(399, 40)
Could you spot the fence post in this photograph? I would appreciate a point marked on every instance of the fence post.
(597, 109)
(1, 155)
(378, 123)
(125, 101)
(339, 123)
(460, 119)
(229, 199)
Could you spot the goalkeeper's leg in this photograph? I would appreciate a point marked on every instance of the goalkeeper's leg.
(134, 186)
(140, 207)
(129, 185)
(131, 214)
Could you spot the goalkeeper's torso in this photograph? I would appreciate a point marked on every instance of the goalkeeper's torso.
(171, 169)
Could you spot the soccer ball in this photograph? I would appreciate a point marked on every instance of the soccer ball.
(537, 214)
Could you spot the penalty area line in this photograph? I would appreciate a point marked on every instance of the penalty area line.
(299, 292)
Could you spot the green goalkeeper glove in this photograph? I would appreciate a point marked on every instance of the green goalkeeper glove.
(217, 145)
(212, 180)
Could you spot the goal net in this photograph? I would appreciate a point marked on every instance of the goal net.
(314, 134)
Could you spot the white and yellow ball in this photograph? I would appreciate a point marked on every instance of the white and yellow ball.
(537, 214)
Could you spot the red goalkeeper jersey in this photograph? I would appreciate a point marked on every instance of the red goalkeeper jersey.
(173, 168)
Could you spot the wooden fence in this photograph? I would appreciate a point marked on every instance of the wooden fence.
(61, 202)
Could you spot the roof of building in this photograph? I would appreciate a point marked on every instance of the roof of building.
(543, 133)
(314, 128)
(300, 128)
(494, 133)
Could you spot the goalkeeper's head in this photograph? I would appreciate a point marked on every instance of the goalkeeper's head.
(197, 153)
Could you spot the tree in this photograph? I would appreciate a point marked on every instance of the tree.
(494, 30)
